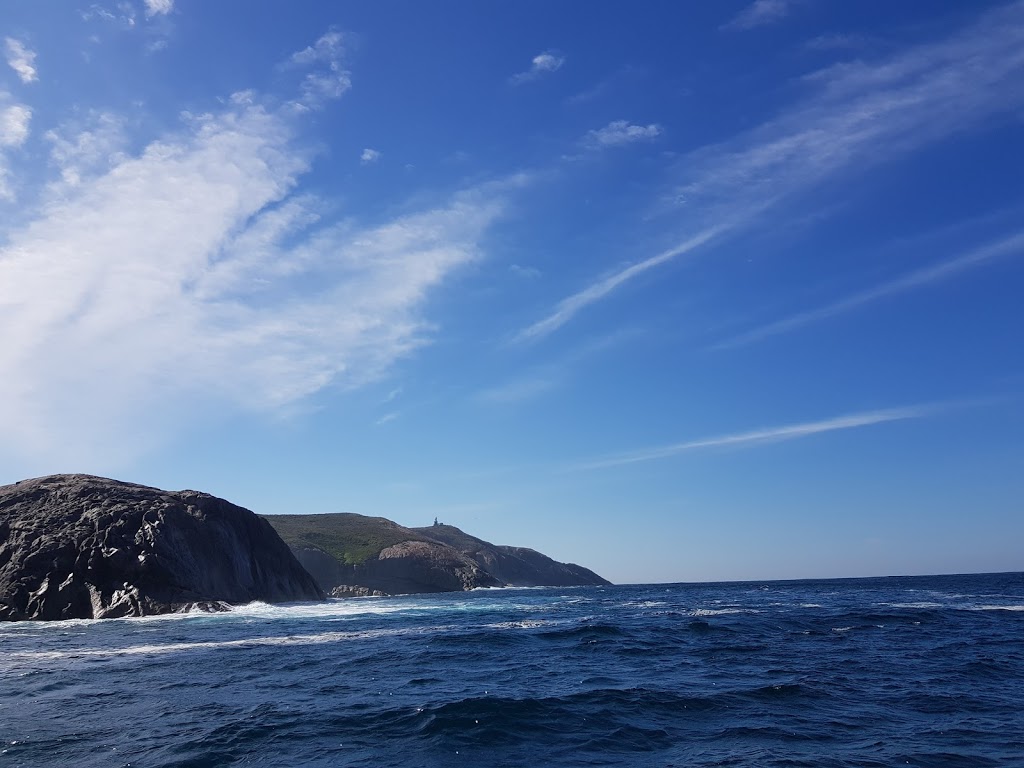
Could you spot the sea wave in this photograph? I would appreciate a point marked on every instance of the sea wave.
(841, 674)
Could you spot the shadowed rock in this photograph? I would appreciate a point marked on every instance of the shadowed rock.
(77, 546)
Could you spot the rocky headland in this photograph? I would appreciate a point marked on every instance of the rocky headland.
(513, 566)
(352, 554)
(84, 547)
(77, 546)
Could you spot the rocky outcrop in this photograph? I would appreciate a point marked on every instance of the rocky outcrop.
(77, 546)
(353, 555)
(421, 566)
(513, 566)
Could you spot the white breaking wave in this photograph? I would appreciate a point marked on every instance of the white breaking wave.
(158, 649)
(525, 624)
(996, 608)
(721, 611)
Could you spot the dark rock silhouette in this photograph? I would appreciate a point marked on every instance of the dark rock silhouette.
(77, 546)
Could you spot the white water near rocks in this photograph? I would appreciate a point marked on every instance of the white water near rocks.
(923, 671)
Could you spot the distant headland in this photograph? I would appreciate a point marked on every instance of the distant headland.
(352, 554)
(79, 546)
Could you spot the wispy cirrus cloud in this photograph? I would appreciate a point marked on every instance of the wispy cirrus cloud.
(762, 436)
(568, 307)
(527, 272)
(122, 14)
(863, 113)
(541, 379)
(159, 7)
(15, 121)
(326, 77)
(86, 148)
(193, 275)
(837, 42)
(524, 387)
(855, 115)
(760, 13)
(542, 64)
(1007, 246)
(14, 124)
(621, 132)
(21, 60)
(369, 156)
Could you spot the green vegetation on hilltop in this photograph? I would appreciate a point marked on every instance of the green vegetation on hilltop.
(342, 551)
(453, 537)
(348, 538)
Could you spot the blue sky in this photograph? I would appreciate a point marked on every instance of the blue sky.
(702, 291)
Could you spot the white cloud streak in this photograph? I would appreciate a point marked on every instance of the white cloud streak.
(542, 64)
(523, 388)
(87, 149)
(191, 277)
(326, 79)
(861, 114)
(21, 60)
(159, 7)
(836, 42)
(15, 120)
(620, 132)
(14, 124)
(568, 307)
(544, 378)
(762, 436)
(527, 272)
(124, 18)
(760, 13)
(858, 115)
(1014, 244)
(369, 156)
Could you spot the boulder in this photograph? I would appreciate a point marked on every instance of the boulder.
(78, 546)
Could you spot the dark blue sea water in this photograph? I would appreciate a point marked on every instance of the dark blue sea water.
(922, 671)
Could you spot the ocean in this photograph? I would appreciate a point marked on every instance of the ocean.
(914, 671)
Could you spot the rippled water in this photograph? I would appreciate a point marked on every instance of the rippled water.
(867, 672)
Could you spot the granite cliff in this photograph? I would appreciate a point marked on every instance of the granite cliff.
(514, 566)
(351, 554)
(77, 546)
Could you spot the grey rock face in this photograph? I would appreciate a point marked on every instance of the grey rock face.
(407, 568)
(514, 566)
(77, 546)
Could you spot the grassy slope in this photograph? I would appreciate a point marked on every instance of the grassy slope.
(349, 538)
(453, 537)
(353, 539)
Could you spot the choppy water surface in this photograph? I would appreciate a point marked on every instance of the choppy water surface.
(868, 672)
